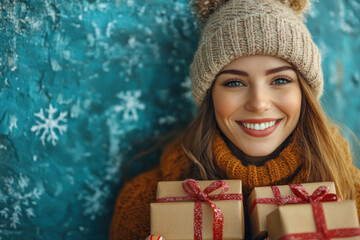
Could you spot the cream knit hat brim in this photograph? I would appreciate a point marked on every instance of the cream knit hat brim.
(254, 27)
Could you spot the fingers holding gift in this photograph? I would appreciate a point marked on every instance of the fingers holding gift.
(154, 237)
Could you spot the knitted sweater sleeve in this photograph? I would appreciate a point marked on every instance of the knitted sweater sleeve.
(131, 218)
(358, 192)
(355, 169)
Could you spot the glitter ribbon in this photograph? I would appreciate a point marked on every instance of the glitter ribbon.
(321, 229)
(192, 188)
(321, 194)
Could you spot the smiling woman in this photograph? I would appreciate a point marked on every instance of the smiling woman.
(257, 80)
(257, 102)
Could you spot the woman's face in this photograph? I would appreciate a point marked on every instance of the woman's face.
(257, 102)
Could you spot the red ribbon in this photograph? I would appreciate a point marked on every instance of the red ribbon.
(321, 194)
(192, 188)
(321, 229)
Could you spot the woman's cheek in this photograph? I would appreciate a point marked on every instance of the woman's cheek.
(226, 106)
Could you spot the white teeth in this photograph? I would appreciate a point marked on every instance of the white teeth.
(261, 126)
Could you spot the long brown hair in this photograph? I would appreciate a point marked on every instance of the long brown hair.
(327, 155)
(197, 141)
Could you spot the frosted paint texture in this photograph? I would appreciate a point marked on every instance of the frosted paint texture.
(85, 85)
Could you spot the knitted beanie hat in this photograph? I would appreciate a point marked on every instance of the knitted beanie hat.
(235, 28)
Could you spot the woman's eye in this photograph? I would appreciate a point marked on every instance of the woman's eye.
(281, 81)
(233, 83)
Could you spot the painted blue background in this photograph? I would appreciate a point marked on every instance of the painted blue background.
(87, 84)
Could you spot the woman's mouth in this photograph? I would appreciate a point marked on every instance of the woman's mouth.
(259, 127)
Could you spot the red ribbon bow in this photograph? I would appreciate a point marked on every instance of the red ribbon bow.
(321, 229)
(321, 194)
(192, 188)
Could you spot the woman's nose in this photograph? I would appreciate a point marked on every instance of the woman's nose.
(258, 100)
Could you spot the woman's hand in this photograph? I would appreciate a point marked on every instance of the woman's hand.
(154, 237)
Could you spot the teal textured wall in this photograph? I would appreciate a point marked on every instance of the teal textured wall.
(87, 84)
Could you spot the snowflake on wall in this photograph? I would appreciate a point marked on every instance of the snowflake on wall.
(130, 104)
(16, 201)
(94, 198)
(49, 124)
(187, 85)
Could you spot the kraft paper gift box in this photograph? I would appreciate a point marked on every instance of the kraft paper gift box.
(175, 220)
(259, 211)
(340, 218)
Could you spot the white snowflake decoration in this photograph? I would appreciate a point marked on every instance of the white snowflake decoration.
(49, 124)
(131, 104)
(13, 123)
(187, 85)
(94, 199)
(16, 201)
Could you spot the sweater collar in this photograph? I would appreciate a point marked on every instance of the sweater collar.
(279, 170)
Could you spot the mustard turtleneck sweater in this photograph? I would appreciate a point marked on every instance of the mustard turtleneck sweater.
(131, 219)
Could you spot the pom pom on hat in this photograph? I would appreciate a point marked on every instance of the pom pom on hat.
(204, 8)
(299, 6)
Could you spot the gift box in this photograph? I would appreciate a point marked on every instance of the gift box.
(184, 211)
(264, 200)
(326, 220)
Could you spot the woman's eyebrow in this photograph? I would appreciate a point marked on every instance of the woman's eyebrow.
(233, 71)
(279, 69)
(268, 72)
